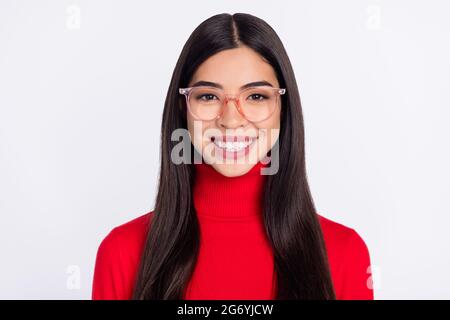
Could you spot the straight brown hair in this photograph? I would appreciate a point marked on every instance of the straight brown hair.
(290, 218)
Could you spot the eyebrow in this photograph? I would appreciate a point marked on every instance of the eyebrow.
(247, 85)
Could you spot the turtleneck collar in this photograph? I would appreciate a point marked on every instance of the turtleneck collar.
(216, 195)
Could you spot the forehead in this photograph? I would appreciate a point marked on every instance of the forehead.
(235, 67)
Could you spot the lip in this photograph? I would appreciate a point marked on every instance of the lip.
(232, 138)
(226, 154)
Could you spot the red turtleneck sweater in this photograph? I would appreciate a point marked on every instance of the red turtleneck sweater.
(235, 259)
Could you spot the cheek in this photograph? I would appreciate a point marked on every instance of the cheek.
(190, 125)
(194, 133)
(271, 130)
(197, 131)
(275, 120)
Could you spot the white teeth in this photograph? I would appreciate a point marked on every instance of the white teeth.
(233, 146)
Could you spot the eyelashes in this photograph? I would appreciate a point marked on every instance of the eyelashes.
(211, 96)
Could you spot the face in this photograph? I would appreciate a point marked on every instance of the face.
(232, 69)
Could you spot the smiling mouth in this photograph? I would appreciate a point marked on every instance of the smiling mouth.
(233, 143)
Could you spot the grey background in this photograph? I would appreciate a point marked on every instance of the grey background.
(82, 87)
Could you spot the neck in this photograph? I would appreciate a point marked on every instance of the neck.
(217, 195)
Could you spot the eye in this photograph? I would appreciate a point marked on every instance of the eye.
(206, 97)
(257, 96)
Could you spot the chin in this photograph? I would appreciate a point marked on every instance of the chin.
(232, 169)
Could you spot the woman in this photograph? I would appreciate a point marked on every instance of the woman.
(222, 229)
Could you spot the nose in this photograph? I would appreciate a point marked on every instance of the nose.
(231, 117)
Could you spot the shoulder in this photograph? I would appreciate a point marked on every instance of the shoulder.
(118, 257)
(131, 231)
(127, 234)
(349, 260)
(127, 237)
(338, 234)
(341, 241)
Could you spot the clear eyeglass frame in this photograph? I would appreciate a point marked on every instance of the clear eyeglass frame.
(228, 97)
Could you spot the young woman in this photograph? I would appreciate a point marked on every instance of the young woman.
(224, 230)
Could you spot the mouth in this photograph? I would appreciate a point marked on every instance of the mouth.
(233, 146)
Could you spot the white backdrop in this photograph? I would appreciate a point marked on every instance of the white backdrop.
(82, 88)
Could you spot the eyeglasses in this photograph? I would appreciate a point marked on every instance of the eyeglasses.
(253, 103)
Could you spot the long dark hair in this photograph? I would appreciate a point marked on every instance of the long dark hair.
(290, 218)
